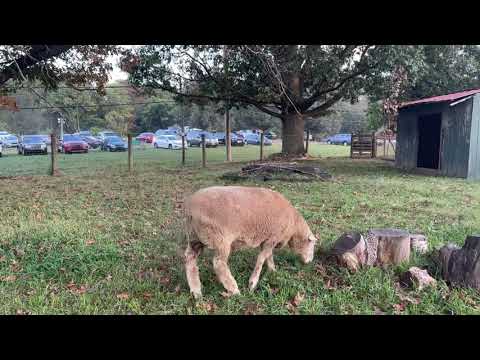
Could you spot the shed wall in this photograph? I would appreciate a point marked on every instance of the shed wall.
(455, 142)
(474, 158)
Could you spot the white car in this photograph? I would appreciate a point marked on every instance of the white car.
(168, 142)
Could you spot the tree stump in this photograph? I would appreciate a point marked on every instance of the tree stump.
(387, 246)
(461, 266)
(418, 243)
(380, 247)
(350, 250)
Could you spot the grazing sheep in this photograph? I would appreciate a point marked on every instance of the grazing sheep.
(228, 218)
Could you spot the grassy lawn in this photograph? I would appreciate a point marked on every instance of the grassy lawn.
(99, 241)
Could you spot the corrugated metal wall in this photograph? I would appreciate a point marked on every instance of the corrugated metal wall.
(456, 123)
(474, 159)
(456, 137)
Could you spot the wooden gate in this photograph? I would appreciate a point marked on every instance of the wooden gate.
(363, 146)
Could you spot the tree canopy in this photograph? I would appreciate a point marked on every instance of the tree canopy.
(290, 82)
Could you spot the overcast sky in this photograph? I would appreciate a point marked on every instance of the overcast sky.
(117, 74)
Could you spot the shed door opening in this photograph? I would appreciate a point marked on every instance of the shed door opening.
(429, 128)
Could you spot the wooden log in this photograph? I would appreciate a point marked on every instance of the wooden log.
(380, 247)
(461, 266)
(418, 243)
(387, 246)
(418, 278)
(350, 250)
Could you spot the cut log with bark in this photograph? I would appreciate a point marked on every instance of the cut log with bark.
(461, 266)
(380, 247)
(350, 250)
(418, 278)
(419, 243)
(392, 246)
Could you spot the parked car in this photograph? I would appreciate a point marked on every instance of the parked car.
(47, 139)
(254, 139)
(147, 137)
(32, 144)
(194, 138)
(102, 135)
(235, 140)
(92, 141)
(114, 143)
(84, 133)
(340, 139)
(271, 135)
(165, 132)
(167, 142)
(10, 141)
(72, 144)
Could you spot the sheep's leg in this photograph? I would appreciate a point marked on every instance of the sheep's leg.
(224, 275)
(191, 268)
(264, 255)
(270, 263)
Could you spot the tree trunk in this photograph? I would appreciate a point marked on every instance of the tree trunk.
(292, 134)
(461, 266)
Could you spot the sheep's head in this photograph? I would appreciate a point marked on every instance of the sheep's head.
(303, 246)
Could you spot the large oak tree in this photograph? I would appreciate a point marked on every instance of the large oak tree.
(289, 82)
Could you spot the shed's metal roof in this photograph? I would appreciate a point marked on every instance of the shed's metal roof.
(442, 98)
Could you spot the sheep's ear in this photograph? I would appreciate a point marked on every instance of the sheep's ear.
(312, 238)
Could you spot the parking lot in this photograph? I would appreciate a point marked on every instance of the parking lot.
(144, 156)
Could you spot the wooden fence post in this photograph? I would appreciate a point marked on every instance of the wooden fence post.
(204, 154)
(53, 149)
(261, 144)
(129, 144)
(183, 148)
(307, 142)
(374, 145)
(352, 136)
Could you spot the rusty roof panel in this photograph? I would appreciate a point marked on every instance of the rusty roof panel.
(442, 98)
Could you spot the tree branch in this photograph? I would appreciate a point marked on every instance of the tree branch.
(37, 54)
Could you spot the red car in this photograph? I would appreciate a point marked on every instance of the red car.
(72, 143)
(147, 137)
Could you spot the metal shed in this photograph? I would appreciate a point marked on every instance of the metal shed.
(441, 134)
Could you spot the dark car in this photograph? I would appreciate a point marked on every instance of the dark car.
(254, 139)
(194, 138)
(72, 144)
(32, 144)
(92, 141)
(235, 140)
(271, 135)
(114, 143)
(146, 137)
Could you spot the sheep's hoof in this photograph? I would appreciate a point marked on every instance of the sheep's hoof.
(197, 295)
(227, 294)
(252, 286)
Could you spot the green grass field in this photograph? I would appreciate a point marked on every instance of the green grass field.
(97, 240)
